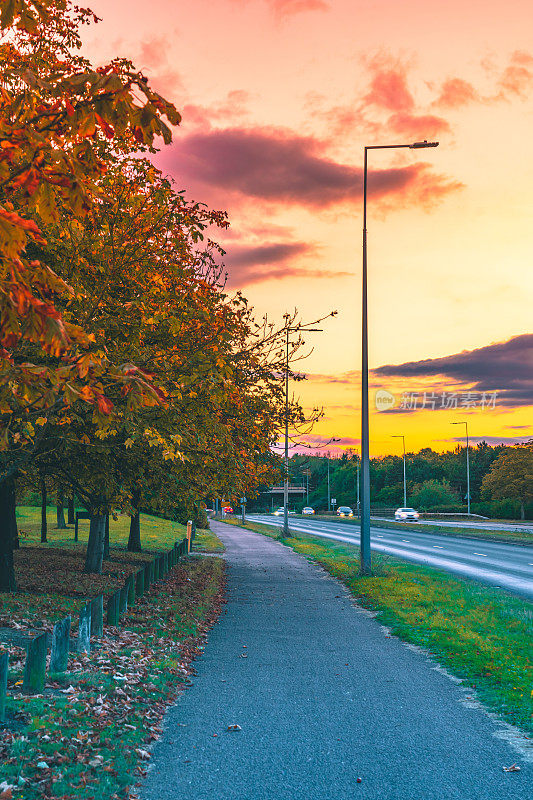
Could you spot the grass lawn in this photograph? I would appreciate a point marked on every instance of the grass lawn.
(481, 634)
(508, 537)
(88, 735)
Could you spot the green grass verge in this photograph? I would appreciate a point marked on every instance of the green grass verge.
(482, 635)
(507, 537)
(88, 736)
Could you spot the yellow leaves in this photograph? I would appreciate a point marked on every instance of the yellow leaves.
(128, 443)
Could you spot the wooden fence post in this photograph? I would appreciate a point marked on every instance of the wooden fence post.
(147, 576)
(130, 583)
(113, 609)
(35, 666)
(84, 629)
(139, 583)
(60, 645)
(4, 661)
(97, 616)
(123, 599)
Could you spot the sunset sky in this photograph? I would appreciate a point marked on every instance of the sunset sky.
(278, 98)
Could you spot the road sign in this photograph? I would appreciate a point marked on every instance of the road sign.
(243, 500)
(333, 501)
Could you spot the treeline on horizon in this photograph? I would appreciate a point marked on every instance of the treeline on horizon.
(501, 480)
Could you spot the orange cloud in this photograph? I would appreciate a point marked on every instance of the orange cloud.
(455, 92)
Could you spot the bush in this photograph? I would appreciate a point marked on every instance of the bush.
(433, 493)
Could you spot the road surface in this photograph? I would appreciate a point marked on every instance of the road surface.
(507, 566)
(322, 697)
(486, 525)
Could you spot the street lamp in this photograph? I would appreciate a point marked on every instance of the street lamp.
(366, 559)
(289, 329)
(400, 436)
(467, 464)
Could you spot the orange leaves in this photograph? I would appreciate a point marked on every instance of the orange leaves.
(105, 406)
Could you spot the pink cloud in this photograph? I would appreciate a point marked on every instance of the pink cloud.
(455, 92)
(285, 8)
(388, 85)
(284, 168)
(418, 126)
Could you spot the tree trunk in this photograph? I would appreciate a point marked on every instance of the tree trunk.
(106, 537)
(95, 545)
(134, 541)
(44, 523)
(13, 514)
(7, 513)
(522, 510)
(71, 511)
(60, 513)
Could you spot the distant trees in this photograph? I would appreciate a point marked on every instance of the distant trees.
(511, 476)
(498, 475)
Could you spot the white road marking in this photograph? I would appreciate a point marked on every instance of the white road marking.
(437, 547)
(481, 554)
(406, 540)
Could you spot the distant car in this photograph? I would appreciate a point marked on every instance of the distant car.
(308, 510)
(279, 511)
(403, 514)
(344, 511)
(227, 510)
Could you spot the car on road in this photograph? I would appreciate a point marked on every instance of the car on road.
(279, 511)
(404, 514)
(344, 511)
(308, 510)
(227, 510)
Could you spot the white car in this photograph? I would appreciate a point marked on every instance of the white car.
(308, 510)
(279, 512)
(344, 511)
(404, 514)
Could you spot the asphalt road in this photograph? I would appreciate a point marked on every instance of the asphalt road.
(504, 565)
(322, 696)
(487, 525)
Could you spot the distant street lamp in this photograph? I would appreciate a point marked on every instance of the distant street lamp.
(400, 436)
(467, 463)
(289, 329)
(366, 559)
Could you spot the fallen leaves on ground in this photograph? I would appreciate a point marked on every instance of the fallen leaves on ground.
(91, 732)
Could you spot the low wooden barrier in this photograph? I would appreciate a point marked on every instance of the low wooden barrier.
(90, 623)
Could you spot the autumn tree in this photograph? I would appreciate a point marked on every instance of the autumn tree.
(511, 476)
(55, 112)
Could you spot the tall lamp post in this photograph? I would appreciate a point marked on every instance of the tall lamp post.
(402, 437)
(288, 330)
(467, 464)
(366, 559)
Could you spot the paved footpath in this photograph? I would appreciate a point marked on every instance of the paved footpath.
(322, 697)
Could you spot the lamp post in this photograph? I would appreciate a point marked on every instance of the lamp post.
(366, 559)
(467, 464)
(400, 436)
(289, 329)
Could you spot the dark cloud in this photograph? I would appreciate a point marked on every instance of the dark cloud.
(492, 440)
(278, 166)
(505, 367)
(260, 262)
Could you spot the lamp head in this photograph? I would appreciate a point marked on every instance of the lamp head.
(425, 143)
